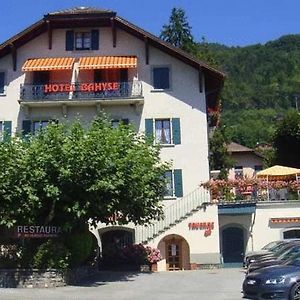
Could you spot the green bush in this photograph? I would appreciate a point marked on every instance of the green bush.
(52, 255)
(10, 256)
(80, 246)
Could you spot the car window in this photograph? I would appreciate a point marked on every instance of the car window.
(289, 253)
(278, 247)
(282, 250)
(294, 261)
(270, 245)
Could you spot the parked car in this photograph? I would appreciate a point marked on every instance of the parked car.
(265, 254)
(275, 282)
(280, 259)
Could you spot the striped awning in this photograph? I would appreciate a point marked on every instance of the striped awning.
(285, 220)
(107, 62)
(48, 64)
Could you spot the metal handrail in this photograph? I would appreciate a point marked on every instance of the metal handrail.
(173, 214)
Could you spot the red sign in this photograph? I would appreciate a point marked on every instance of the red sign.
(206, 226)
(81, 87)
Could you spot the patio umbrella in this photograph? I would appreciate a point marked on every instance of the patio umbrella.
(279, 173)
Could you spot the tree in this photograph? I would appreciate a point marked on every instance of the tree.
(287, 141)
(66, 175)
(219, 158)
(178, 31)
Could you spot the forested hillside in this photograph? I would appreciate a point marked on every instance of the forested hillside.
(263, 82)
(262, 85)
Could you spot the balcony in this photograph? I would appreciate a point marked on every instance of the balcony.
(86, 93)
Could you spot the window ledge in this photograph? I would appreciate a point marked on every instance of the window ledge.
(166, 145)
(160, 90)
(2, 94)
(169, 198)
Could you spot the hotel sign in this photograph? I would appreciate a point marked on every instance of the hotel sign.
(206, 226)
(34, 231)
(81, 87)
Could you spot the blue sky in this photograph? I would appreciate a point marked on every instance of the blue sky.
(230, 22)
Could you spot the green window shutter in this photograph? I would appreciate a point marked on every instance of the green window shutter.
(176, 131)
(2, 82)
(7, 130)
(26, 127)
(149, 127)
(69, 40)
(178, 183)
(161, 78)
(95, 39)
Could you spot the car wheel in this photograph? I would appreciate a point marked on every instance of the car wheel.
(295, 292)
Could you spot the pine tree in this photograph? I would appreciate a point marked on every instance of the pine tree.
(178, 31)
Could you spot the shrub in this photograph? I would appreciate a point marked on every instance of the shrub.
(10, 256)
(135, 254)
(80, 246)
(153, 255)
(52, 254)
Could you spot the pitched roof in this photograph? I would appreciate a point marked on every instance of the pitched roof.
(80, 10)
(237, 148)
(80, 14)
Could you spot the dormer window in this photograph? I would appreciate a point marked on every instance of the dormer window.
(82, 40)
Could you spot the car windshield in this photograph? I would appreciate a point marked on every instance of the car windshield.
(271, 245)
(282, 250)
(278, 247)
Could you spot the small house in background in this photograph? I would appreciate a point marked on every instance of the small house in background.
(247, 162)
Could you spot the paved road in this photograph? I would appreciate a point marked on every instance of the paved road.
(215, 284)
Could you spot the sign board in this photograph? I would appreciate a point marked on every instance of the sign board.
(81, 87)
(35, 231)
(206, 226)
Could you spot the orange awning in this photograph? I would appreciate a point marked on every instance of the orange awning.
(285, 220)
(107, 62)
(48, 64)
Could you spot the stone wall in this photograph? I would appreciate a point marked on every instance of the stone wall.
(35, 278)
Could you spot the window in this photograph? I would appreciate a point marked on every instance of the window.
(2, 82)
(38, 125)
(292, 234)
(257, 169)
(161, 78)
(173, 181)
(238, 171)
(164, 131)
(116, 122)
(33, 127)
(5, 130)
(169, 191)
(82, 40)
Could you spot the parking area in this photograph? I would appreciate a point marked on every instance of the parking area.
(212, 284)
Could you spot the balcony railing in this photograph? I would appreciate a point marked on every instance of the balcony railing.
(81, 91)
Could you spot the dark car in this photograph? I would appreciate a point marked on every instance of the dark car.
(281, 258)
(276, 282)
(268, 254)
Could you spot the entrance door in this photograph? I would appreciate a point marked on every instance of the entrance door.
(233, 245)
(174, 256)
